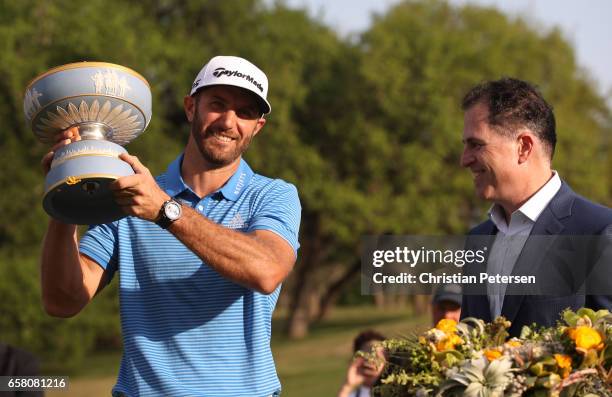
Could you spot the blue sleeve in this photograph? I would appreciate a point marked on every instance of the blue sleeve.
(100, 244)
(277, 209)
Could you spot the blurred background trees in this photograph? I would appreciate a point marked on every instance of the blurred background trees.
(368, 129)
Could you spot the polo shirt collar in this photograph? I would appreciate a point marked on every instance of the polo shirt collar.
(175, 184)
(234, 187)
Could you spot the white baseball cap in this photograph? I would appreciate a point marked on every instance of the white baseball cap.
(236, 71)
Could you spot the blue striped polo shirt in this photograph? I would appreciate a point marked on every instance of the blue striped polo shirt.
(187, 331)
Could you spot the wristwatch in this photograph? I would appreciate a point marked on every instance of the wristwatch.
(169, 212)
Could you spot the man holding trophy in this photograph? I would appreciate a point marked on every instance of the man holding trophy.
(201, 253)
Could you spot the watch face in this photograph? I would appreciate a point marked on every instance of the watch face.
(172, 210)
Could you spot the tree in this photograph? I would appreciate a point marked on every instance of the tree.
(390, 135)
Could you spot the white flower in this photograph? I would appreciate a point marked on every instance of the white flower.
(435, 335)
(479, 378)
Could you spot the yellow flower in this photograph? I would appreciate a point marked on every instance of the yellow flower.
(447, 325)
(492, 354)
(586, 337)
(449, 342)
(456, 339)
(514, 343)
(450, 339)
(444, 344)
(564, 362)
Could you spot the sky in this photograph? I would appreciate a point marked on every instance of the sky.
(586, 24)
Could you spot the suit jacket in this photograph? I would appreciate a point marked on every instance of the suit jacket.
(552, 259)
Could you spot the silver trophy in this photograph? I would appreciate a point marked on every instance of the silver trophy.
(111, 105)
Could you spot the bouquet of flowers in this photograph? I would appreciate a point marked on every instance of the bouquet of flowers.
(472, 358)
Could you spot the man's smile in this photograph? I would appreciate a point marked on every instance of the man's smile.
(222, 136)
(477, 173)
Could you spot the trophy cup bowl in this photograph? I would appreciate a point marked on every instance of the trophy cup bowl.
(111, 105)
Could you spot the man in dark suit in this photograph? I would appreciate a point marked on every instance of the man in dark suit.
(509, 139)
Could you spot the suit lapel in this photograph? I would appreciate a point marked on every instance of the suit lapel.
(477, 300)
(485, 234)
(535, 249)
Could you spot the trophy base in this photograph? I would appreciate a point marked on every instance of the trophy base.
(86, 202)
(77, 186)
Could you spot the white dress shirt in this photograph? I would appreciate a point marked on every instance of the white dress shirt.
(511, 238)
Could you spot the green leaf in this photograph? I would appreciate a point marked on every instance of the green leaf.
(570, 318)
(586, 312)
(549, 381)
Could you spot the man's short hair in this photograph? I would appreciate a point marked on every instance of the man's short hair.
(512, 104)
(365, 337)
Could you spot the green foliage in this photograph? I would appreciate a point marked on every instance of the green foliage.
(421, 57)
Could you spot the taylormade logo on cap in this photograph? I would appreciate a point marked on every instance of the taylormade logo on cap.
(234, 71)
(221, 71)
